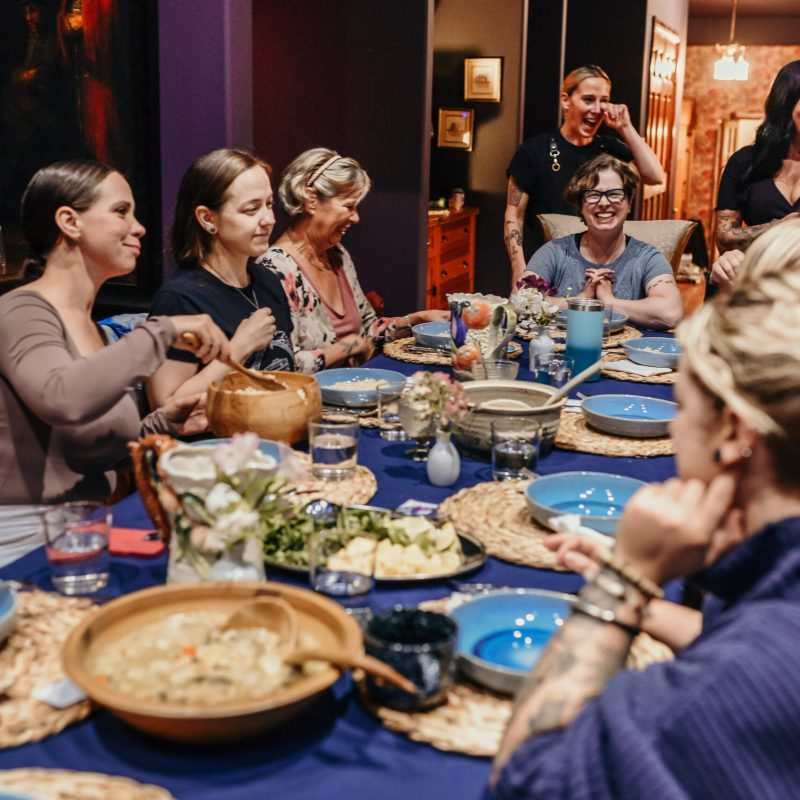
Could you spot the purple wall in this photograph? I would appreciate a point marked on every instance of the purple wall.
(205, 80)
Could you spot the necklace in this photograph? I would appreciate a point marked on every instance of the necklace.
(253, 300)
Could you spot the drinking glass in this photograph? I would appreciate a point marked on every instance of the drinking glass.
(608, 316)
(419, 427)
(76, 537)
(551, 369)
(334, 448)
(342, 562)
(420, 645)
(391, 428)
(495, 369)
(515, 448)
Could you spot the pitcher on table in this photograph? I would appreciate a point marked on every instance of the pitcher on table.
(481, 326)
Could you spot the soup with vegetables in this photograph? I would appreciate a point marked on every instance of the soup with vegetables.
(188, 659)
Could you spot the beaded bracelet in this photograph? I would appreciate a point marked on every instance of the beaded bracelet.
(647, 587)
(604, 615)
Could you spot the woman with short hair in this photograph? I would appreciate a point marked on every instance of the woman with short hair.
(223, 221)
(333, 323)
(723, 718)
(603, 263)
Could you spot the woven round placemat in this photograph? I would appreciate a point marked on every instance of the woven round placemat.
(359, 489)
(364, 420)
(497, 515)
(664, 378)
(64, 784)
(473, 719)
(30, 658)
(575, 434)
(560, 334)
(397, 350)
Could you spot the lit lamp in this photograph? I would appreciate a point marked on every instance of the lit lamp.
(731, 65)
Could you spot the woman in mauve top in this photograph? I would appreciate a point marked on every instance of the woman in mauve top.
(66, 409)
(721, 719)
(333, 323)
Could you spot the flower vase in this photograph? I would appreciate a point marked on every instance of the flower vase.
(444, 463)
(541, 345)
(240, 562)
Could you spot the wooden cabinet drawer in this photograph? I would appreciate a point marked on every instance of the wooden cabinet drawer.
(455, 265)
(434, 236)
(454, 234)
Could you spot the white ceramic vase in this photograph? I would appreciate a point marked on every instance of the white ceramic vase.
(444, 463)
(541, 345)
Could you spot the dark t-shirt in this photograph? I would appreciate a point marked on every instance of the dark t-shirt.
(532, 169)
(762, 202)
(197, 291)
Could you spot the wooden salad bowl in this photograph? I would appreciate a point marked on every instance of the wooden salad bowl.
(236, 405)
(318, 616)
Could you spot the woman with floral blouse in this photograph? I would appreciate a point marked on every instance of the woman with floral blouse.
(333, 322)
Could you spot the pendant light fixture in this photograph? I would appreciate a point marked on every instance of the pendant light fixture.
(731, 65)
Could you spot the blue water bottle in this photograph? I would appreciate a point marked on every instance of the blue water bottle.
(584, 333)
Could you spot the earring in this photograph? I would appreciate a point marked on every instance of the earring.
(745, 452)
(716, 456)
(211, 229)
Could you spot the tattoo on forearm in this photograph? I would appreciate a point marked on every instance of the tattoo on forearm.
(732, 235)
(514, 194)
(349, 347)
(513, 239)
(667, 280)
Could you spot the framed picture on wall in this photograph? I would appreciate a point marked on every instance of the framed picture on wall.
(455, 128)
(483, 79)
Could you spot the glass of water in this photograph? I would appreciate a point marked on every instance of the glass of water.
(334, 448)
(77, 546)
(342, 562)
(391, 428)
(515, 448)
(608, 317)
(552, 369)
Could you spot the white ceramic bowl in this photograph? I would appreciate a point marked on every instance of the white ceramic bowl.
(432, 334)
(355, 398)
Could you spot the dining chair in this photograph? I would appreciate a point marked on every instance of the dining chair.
(670, 236)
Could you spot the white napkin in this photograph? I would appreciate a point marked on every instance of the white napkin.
(626, 365)
(571, 523)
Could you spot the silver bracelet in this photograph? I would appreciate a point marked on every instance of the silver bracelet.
(604, 615)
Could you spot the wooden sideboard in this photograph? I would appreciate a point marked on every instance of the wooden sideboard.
(451, 255)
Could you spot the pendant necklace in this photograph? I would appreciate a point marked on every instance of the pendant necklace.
(253, 300)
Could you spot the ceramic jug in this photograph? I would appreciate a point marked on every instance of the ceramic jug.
(481, 326)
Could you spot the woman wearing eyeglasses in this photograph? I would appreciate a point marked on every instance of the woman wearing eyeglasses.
(603, 263)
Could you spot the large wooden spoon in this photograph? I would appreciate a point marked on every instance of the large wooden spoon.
(278, 616)
(264, 381)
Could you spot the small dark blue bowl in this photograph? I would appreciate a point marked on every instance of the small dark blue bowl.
(420, 645)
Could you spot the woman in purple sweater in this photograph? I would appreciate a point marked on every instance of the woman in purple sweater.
(66, 410)
(722, 720)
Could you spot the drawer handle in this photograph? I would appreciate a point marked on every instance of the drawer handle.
(444, 273)
(429, 242)
(444, 238)
(466, 230)
(465, 265)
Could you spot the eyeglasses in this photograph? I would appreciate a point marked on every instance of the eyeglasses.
(592, 197)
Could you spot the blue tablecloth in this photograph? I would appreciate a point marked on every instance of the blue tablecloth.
(336, 749)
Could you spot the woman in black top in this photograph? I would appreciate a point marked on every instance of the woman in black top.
(760, 186)
(223, 220)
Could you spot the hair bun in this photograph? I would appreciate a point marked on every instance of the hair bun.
(33, 267)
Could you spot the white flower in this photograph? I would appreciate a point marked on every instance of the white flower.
(207, 540)
(221, 498)
(236, 523)
(232, 458)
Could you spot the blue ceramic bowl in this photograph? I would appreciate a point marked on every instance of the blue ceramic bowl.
(8, 610)
(501, 634)
(653, 351)
(629, 414)
(598, 498)
(618, 320)
(355, 398)
(432, 334)
(266, 446)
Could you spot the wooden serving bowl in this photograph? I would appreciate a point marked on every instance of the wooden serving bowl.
(324, 619)
(280, 415)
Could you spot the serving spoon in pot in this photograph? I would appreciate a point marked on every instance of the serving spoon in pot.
(264, 381)
(278, 616)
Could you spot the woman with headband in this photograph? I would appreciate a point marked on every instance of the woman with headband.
(722, 719)
(333, 322)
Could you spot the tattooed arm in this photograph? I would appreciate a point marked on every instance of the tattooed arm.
(516, 203)
(574, 669)
(732, 235)
(661, 308)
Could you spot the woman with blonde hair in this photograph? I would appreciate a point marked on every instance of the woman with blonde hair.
(543, 165)
(333, 323)
(723, 718)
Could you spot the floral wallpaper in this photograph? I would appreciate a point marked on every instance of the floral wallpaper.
(714, 102)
